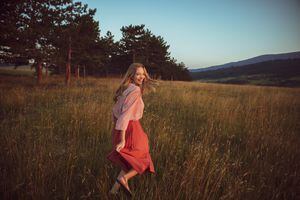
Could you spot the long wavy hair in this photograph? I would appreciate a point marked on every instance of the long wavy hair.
(147, 85)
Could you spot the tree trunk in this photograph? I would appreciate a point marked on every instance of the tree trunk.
(68, 65)
(77, 72)
(68, 71)
(39, 73)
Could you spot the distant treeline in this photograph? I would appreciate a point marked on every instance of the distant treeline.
(63, 37)
(275, 69)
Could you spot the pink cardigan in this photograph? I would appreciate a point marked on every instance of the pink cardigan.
(129, 106)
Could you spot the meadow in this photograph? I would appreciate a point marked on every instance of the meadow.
(207, 141)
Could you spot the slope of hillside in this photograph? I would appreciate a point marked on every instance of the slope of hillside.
(277, 73)
(257, 59)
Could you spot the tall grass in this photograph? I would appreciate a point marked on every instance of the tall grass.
(207, 141)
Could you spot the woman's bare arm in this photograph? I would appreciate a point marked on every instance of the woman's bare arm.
(122, 142)
(122, 135)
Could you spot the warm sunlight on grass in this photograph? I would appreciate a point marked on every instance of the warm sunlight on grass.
(207, 141)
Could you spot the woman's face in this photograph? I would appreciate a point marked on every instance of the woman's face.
(139, 76)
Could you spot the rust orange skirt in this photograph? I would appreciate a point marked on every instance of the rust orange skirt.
(135, 154)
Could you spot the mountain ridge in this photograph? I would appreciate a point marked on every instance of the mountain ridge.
(254, 60)
(272, 73)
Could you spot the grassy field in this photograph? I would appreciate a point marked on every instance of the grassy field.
(207, 141)
(260, 80)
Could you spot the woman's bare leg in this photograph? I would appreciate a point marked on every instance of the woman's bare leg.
(125, 177)
(131, 173)
(116, 186)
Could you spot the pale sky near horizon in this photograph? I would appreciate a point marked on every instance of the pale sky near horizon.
(206, 33)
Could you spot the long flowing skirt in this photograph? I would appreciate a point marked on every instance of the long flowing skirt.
(135, 154)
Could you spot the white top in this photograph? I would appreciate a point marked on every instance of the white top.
(129, 106)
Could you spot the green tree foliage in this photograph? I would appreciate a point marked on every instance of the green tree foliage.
(9, 17)
(28, 33)
(132, 41)
(109, 51)
(140, 45)
(76, 37)
(26, 28)
(64, 33)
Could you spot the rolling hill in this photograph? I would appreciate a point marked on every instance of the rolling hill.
(273, 73)
(257, 59)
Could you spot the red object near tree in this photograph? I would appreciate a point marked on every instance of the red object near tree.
(68, 65)
(77, 72)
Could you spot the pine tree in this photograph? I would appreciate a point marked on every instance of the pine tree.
(131, 42)
(26, 33)
(109, 51)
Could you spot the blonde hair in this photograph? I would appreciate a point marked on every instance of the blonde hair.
(148, 82)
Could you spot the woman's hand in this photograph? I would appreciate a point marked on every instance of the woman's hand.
(120, 146)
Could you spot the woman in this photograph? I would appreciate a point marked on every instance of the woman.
(131, 152)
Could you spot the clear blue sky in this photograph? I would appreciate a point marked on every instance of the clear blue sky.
(206, 33)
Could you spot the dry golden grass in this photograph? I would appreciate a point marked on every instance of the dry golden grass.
(207, 141)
